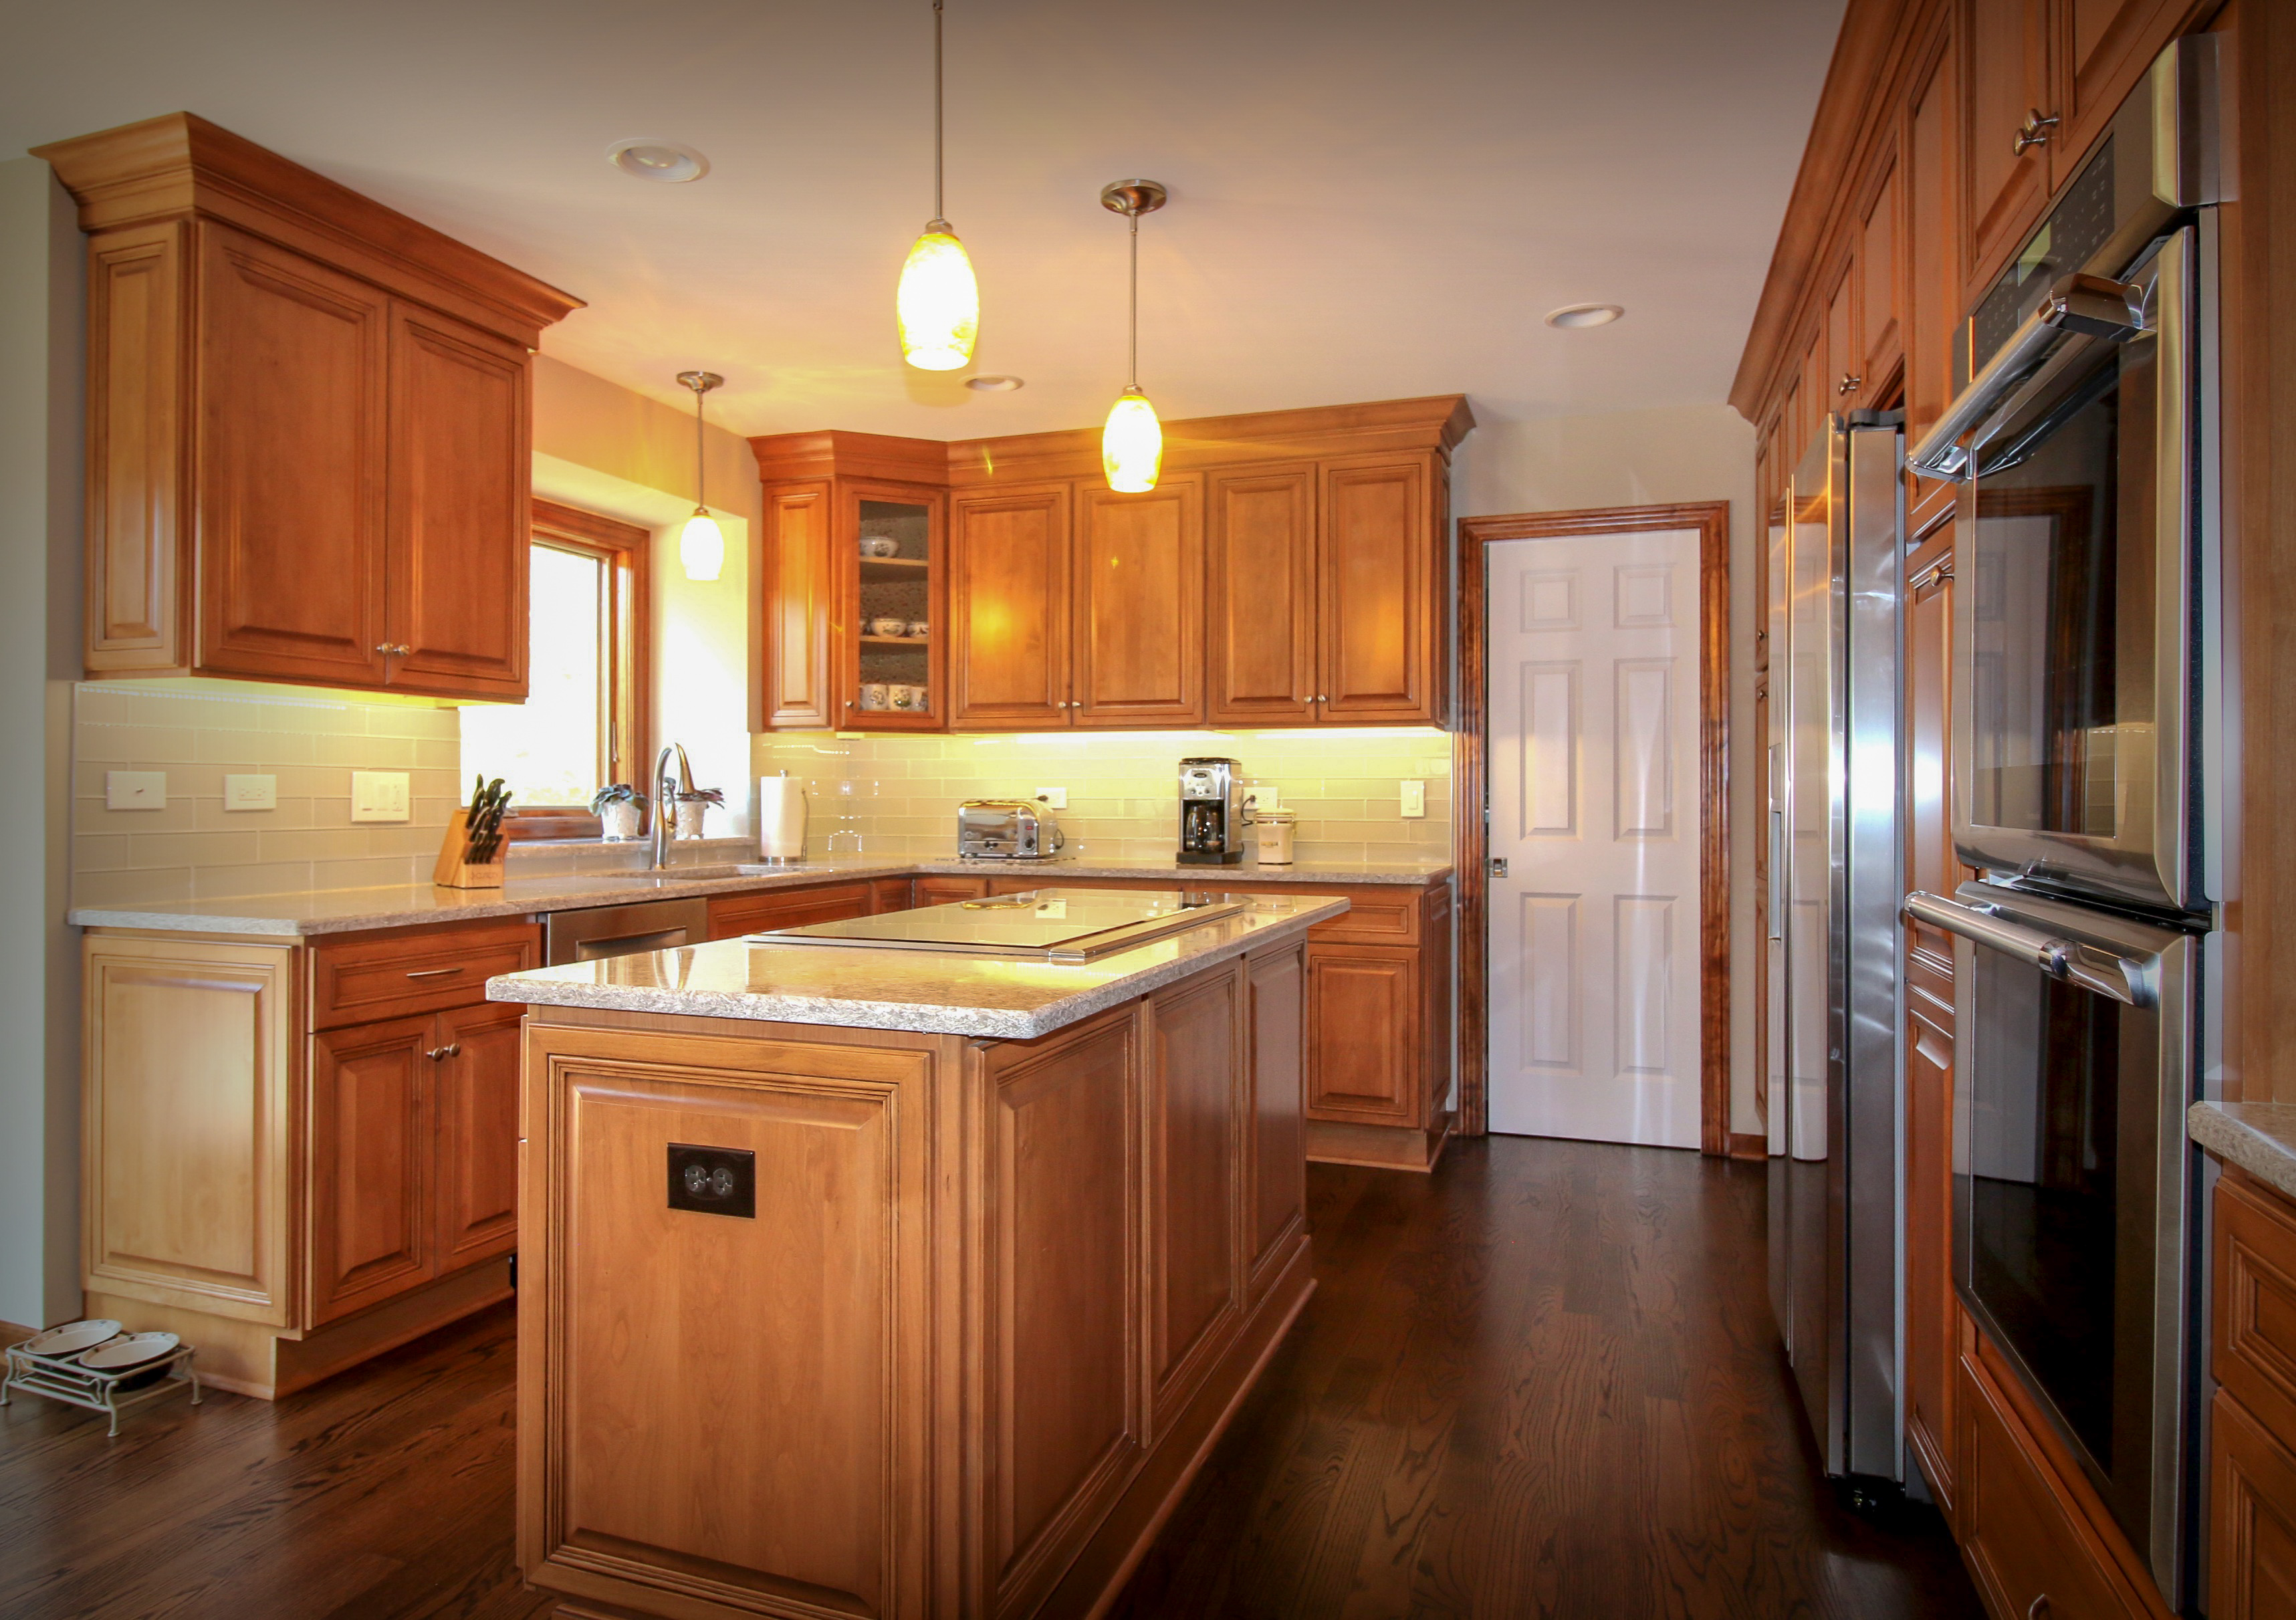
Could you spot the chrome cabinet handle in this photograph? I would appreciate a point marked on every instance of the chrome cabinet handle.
(440, 1054)
(432, 972)
(394, 649)
(2038, 1610)
(2117, 977)
(1849, 384)
(2033, 131)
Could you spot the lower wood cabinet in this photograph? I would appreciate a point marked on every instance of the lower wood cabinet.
(2251, 1535)
(731, 916)
(1363, 1004)
(298, 1155)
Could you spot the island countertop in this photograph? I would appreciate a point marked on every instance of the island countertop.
(925, 992)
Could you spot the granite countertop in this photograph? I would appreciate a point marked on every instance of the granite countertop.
(350, 910)
(2260, 1137)
(925, 992)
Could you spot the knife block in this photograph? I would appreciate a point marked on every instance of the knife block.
(453, 871)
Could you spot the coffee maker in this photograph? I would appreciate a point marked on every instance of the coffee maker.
(1212, 813)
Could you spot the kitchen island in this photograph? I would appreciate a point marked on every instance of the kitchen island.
(874, 1280)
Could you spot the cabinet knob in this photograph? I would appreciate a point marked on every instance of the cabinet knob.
(1849, 384)
(2033, 131)
(440, 1054)
(394, 649)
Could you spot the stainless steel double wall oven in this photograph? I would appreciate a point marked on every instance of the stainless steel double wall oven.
(2084, 654)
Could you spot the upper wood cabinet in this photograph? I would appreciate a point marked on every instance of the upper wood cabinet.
(2012, 125)
(1290, 568)
(309, 425)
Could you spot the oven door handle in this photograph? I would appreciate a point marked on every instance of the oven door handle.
(2123, 978)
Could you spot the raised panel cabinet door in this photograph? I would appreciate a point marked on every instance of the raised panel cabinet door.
(476, 1086)
(1381, 640)
(1845, 349)
(1435, 1011)
(2102, 48)
(1878, 292)
(293, 382)
(1275, 1198)
(1196, 1130)
(1260, 595)
(188, 1099)
(2251, 1517)
(373, 1231)
(2007, 97)
(1362, 1033)
(1063, 1363)
(1933, 1323)
(1933, 267)
(137, 371)
(461, 520)
(1136, 594)
(1008, 610)
(803, 605)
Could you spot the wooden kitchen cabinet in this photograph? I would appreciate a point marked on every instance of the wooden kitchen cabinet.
(2251, 1511)
(1384, 653)
(1261, 594)
(731, 916)
(298, 1155)
(309, 425)
(2011, 129)
(1136, 594)
(1009, 608)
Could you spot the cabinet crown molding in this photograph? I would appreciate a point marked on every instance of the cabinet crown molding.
(1436, 423)
(180, 166)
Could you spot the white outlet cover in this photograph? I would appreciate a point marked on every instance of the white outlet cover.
(251, 793)
(136, 789)
(1415, 799)
(379, 796)
(1055, 798)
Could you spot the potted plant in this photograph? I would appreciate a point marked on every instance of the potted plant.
(692, 807)
(620, 809)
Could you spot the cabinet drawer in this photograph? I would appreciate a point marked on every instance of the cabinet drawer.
(2251, 1535)
(2021, 1533)
(1386, 915)
(940, 891)
(734, 915)
(394, 976)
(2256, 1302)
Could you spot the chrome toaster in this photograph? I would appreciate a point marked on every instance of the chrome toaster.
(1006, 829)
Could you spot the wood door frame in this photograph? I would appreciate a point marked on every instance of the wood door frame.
(1711, 521)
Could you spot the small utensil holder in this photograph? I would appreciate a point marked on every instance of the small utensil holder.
(62, 1378)
(453, 871)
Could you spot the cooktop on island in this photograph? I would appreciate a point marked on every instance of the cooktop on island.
(1060, 925)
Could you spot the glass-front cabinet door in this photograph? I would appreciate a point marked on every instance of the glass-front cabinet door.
(893, 660)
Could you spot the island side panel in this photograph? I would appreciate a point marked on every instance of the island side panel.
(1275, 1159)
(1197, 1103)
(722, 1413)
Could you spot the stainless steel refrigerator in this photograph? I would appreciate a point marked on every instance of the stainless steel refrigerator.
(1835, 1093)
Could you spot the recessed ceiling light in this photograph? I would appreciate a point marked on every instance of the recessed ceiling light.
(650, 159)
(1572, 317)
(995, 385)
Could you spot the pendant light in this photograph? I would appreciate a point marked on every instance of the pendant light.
(939, 301)
(1132, 444)
(701, 544)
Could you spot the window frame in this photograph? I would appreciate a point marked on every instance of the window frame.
(625, 654)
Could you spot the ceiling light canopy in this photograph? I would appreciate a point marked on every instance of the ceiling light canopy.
(650, 159)
(1132, 441)
(701, 544)
(1570, 317)
(938, 302)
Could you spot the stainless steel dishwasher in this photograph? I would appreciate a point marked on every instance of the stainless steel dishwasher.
(624, 930)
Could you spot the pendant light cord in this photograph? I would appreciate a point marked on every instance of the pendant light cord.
(699, 488)
(939, 216)
(1132, 371)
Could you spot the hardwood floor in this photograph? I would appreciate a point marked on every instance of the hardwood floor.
(1540, 1382)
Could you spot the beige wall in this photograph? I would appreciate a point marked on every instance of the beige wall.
(900, 794)
(42, 320)
(1642, 458)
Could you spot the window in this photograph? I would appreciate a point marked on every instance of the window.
(582, 724)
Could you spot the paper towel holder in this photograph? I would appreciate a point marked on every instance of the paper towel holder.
(793, 836)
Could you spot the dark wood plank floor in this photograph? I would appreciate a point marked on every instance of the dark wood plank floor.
(1540, 1382)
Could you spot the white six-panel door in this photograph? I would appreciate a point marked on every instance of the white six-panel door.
(1593, 711)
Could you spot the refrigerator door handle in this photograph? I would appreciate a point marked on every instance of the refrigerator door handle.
(2123, 978)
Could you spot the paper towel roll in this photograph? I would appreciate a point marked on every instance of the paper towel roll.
(781, 817)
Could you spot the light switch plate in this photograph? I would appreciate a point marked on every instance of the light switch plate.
(251, 792)
(1415, 800)
(136, 789)
(379, 796)
(1054, 799)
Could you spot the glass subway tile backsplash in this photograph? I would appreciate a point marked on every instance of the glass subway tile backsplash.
(199, 730)
(898, 796)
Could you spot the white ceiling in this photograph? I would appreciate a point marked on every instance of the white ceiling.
(1369, 200)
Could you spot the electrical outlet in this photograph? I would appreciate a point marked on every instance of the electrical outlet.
(1054, 799)
(379, 796)
(251, 792)
(1415, 800)
(136, 789)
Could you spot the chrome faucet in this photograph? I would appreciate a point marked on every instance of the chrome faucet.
(666, 792)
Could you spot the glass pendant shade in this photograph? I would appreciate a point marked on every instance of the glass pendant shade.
(938, 302)
(701, 546)
(1132, 444)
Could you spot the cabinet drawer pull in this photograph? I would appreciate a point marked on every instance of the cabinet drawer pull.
(2033, 131)
(2039, 1608)
(440, 1054)
(433, 973)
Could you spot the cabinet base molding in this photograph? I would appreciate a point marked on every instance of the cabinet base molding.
(1379, 1147)
(251, 1359)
